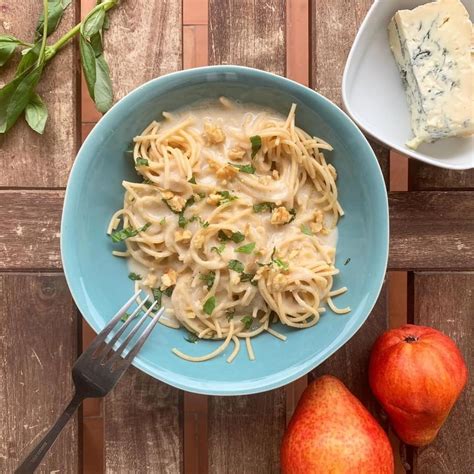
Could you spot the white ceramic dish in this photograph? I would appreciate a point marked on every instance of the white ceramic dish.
(373, 95)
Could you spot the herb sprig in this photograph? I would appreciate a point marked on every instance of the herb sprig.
(19, 96)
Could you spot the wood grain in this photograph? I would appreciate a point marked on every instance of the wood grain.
(245, 429)
(424, 177)
(334, 26)
(248, 33)
(29, 236)
(143, 424)
(26, 158)
(245, 433)
(158, 50)
(39, 344)
(431, 230)
(446, 302)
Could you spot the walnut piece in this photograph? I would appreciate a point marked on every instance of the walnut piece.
(177, 203)
(169, 278)
(213, 133)
(182, 235)
(280, 216)
(236, 153)
(226, 172)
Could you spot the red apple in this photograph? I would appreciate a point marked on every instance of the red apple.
(417, 374)
(331, 431)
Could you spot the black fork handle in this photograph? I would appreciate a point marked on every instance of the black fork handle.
(33, 460)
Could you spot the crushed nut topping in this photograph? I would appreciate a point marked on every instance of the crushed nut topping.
(177, 203)
(214, 134)
(280, 216)
(169, 278)
(236, 153)
(182, 235)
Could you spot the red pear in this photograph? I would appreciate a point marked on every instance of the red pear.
(331, 431)
(417, 374)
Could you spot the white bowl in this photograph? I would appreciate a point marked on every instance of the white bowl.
(373, 95)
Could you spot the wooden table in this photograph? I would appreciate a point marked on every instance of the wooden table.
(145, 425)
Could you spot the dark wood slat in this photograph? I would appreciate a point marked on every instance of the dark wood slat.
(245, 433)
(350, 363)
(249, 33)
(142, 421)
(47, 158)
(424, 177)
(245, 429)
(334, 26)
(446, 302)
(39, 344)
(432, 230)
(29, 235)
(143, 426)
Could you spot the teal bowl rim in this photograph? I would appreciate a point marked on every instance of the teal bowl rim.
(269, 382)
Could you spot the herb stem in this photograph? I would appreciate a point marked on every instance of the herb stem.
(71, 33)
(45, 34)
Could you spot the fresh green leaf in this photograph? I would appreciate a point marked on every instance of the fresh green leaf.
(93, 23)
(192, 180)
(28, 60)
(280, 263)
(226, 197)
(141, 161)
(208, 278)
(182, 221)
(236, 265)
(202, 195)
(236, 237)
(163, 221)
(203, 223)
(125, 317)
(169, 291)
(306, 230)
(15, 96)
(56, 9)
(192, 338)
(36, 113)
(8, 45)
(249, 169)
(96, 43)
(103, 94)
(244, 277)
(158, 295)
(264, 207)
(248, 248)
(88, 64)
(134, 276)
(219, 249)
(120, 235)
(209, 305)
(256, 142)
(247, 320)
(230, 314)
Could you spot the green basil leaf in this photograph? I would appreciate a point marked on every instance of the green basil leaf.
(244, 277)
(56, 9)
(219, 249)
(8, 45)
(264, 207)
(128, 232)
(256, 142)
(192, 180)
(247, 320)
(158, 295)
(209, 306)
(28, 60)
(248, 248)
(141, 161)
(208, 279)
(237, 237)
(192, 338)
(96, 43)
(93, 23)
(36, 113)
(249, 169)
(236, 265)
(103, 95)
(15, 96)
(134, 276)
(226, 197)
(88, 64)
(306, 230)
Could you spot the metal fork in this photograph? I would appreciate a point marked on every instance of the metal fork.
(97, 371)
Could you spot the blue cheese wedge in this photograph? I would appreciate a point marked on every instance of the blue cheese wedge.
(432, 48)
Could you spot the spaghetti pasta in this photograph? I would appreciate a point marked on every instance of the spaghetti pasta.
(234, 225)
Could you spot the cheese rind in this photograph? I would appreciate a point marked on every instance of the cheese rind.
(432, 47)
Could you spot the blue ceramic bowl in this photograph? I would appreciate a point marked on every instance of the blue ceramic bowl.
(99, 282)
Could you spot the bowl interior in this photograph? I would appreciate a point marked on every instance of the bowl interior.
(99, 282)
(374, 96)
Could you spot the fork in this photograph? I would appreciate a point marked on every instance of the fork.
(97, 371)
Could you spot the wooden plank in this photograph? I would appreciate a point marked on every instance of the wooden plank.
(431, 230)
(143, 426)
(446, 302)
(248, 33)
(29, 236)
(424, 177)
(142, 421)
(245, 433)
(245, 429)
(38, 330)
(334, 26)
(47, 157)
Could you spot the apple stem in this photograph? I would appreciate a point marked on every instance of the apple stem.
(410, 339)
